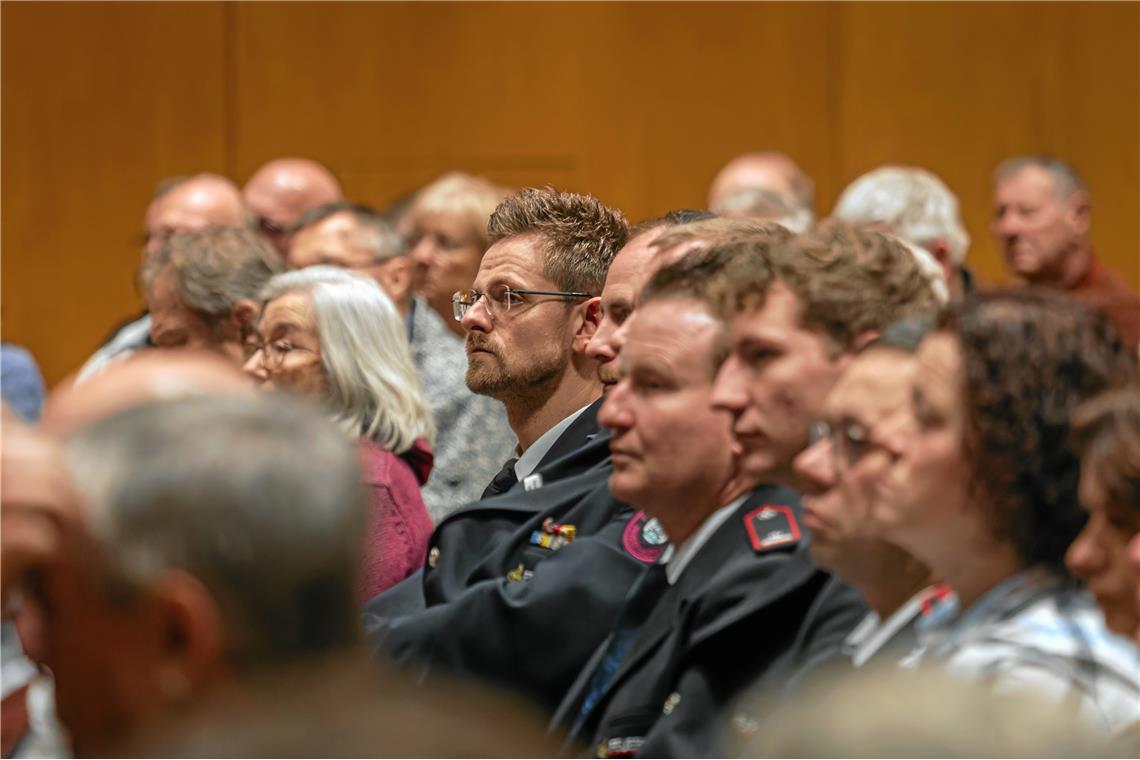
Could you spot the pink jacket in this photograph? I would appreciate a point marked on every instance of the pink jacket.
(398, 524)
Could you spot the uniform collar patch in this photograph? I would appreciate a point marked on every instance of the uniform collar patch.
(772, 526)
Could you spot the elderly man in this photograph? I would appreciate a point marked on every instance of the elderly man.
(282, 190)
(671, 671)
(918, 207)
(202, 289)
(473, 437)
(1042, 222)
(766, 185)
(182, 204)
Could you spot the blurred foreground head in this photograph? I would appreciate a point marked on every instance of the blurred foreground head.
(221, 539)
(893, 713)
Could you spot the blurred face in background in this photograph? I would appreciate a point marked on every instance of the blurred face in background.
(1036, 229)
(445, 251)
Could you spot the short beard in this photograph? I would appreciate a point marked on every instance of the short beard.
(528, 381)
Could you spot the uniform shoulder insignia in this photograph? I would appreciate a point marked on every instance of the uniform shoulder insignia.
(771, 526)
(644, 538)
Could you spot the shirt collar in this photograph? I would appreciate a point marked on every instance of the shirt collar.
(529, 459)
(680, 559)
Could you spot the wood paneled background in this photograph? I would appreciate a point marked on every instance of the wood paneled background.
(639, 103)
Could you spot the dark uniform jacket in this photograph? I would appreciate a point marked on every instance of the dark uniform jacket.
(525, 609)
(744, 609)
(464, 538)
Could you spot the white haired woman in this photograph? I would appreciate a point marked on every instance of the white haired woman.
(335, 336)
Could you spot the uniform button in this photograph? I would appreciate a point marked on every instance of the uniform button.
(433, 557)
(671, 703)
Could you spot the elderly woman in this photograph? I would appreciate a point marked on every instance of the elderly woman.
(984, 492)
(335, 336)
(446, 228)
(1107, 433)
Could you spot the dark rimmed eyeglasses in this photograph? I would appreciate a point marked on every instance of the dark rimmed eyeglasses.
(499, 301)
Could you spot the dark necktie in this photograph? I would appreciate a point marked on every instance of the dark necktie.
(640, 602)
(504, 479)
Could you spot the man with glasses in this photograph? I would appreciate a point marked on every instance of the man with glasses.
(282, 190)
(525, 349)
(472, 435)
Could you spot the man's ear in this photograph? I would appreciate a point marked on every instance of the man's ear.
(862, 340)
(591, 311)
(191, 625)
(395, 276)
(244, 313)
(941, 253)
(1080, 212)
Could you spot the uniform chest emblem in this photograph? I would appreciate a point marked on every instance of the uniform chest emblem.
(644, 538)
(552, 535)
(771, 526)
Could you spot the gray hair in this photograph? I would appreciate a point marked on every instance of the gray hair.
(914, 203)
(374, 390)
(216, 267)
(258, 498)
(371, 231)
(1066, 179)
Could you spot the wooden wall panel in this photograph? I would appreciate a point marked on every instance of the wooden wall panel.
(99, 102)
(638, 103)
(957, 87)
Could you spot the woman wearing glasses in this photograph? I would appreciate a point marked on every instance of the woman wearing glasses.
(335, 337)
(984, 493)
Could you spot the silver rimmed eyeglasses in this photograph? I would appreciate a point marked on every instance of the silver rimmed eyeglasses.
(501, 300)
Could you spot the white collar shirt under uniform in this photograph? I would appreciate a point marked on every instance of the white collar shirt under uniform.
(529, 459)
(677, 561)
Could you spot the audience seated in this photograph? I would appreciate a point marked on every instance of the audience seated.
(335, 337)
(770, 488)
(1043, 225)
(472, 435)
(984, 493)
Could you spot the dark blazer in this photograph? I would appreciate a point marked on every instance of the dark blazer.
(468, 535)
(529, 617)
(743, 610)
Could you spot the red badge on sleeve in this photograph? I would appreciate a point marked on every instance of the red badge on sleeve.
(644, 538)
(771, 526)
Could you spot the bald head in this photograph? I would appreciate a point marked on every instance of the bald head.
(282, 190)
(768, 170)
(148, 376)
(204, 200)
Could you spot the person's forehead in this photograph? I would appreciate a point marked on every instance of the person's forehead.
(778, 317)
(515, 259)
(874, 384)
(1028, 182)
(295, 308)
(937, 362)
(631, 267)
(671, 330)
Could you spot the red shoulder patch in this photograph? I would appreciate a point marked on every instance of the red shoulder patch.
(771, 526)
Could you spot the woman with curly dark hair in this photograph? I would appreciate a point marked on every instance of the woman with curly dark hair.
(985, 493)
